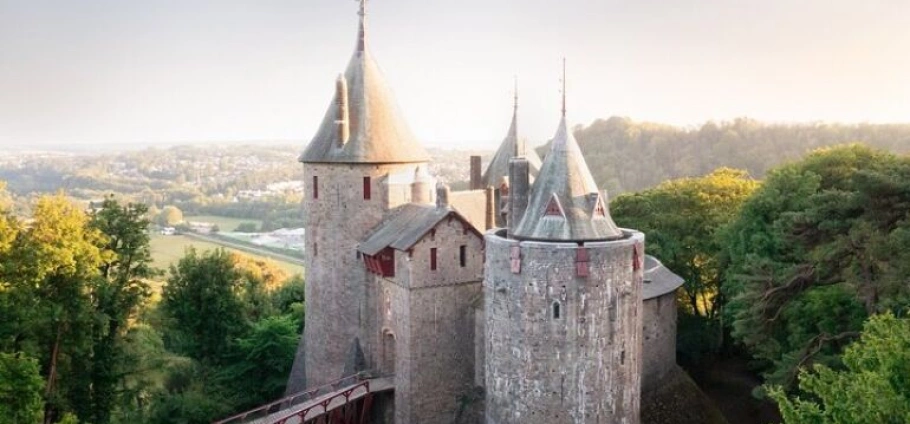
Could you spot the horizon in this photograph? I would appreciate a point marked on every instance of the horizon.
(106, 73)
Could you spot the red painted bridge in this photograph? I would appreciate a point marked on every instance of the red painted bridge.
(345, 401)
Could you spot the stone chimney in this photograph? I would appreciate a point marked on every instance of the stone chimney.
(490, 210)
(442, 196)
(476, 184)
(519, 190)
(420, 187)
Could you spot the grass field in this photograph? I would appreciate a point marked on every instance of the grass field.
(223, 223)
(169, 249)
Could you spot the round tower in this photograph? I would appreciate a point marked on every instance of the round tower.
(362, 141)
(562, 301)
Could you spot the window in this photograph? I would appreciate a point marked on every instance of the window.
(432, 259)
(315, 187)
(366, 188)
(462, 255)
(555, 310)
(315, 249)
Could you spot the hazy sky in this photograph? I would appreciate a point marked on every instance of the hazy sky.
(131, 71)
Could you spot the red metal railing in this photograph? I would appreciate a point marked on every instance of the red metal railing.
(353, 381)
(342, 412)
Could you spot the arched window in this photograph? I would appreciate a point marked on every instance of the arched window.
(556, 311)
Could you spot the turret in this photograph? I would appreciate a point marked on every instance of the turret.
(421, 187)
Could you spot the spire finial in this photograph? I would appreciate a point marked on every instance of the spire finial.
(362, 36)
(563, 87)
(515, 106)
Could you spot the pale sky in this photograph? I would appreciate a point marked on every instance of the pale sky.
(137, 71)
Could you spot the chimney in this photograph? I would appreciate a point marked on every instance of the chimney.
(490, 214)
(342, 120)
(420, 188)
(475, 173)
(442, 196)
(519, 191)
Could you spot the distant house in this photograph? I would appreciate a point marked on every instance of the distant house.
(168, 231)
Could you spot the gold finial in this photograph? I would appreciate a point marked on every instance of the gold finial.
(563, 87)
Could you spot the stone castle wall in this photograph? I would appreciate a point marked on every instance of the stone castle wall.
(658, 340)
(580, 365)
(336, 281)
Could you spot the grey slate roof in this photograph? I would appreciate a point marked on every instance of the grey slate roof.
(378, 133)
(509, 148)
(565, 181)
(658, 279)
(404, 226)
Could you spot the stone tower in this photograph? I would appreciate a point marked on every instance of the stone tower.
(360, 164)
(562, 300)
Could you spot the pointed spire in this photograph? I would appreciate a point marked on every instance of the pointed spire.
(565, 203)
(362, 34)
(513, 130)
(563, 88)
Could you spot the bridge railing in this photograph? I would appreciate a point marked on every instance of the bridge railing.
(344, 398)
(294, 399)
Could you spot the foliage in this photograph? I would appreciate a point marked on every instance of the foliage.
(874, 388)
(626, 156)
(681, 219)
(262, 361)
(247, 227)
(170, 216)
(20, 389)
(202, 301)
(820, 246)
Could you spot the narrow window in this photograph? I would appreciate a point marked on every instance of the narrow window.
(463, 255)
(432, 259)
(315, 187)
(556, 310)
(315, 249)
(366, 188)
(433, 234)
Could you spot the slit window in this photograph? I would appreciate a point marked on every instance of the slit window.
(315, 187)
(366, 188)
(462, 255)
(432, 259)
(315, 249)
(556, 310)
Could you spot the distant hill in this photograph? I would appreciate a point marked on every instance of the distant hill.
(625, 155)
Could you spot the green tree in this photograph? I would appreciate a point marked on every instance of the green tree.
(20, 389)
(202, 300)
(820, 246)
(170, 216)
(261, 361)
(681, 219)
(874, 387)
(247, 227)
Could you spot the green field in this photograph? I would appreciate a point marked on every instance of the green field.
(169, 249)
(223, 223)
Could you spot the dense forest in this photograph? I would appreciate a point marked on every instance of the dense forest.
(625, 155)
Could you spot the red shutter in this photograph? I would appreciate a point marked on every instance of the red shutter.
(315, 187)
(581, 262)
(366, 188)
(433, 259)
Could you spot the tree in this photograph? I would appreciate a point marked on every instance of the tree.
(20, 389)
(170, 216)
(681, 220)
(202, 302)
(246, 227)
(873, 388)
(261, 361)
(820, 246)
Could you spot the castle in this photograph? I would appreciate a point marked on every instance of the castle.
(519, 298)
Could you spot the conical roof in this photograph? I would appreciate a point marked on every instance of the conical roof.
(376, 131)
(565, 203)
(511, 147)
